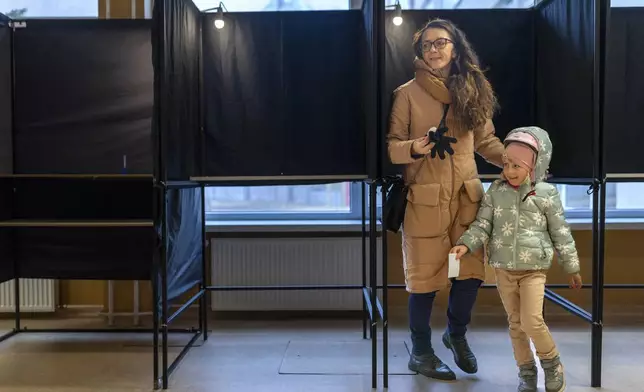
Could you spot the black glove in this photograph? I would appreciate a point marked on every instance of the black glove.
(441, 143)
(444, 146)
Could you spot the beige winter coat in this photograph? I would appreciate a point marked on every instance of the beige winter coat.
(445, 195)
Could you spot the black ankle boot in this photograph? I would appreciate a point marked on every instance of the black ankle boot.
(463, 355)
(429, 365)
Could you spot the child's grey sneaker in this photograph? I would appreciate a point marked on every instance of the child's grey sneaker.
(528, 378)
(554, 372)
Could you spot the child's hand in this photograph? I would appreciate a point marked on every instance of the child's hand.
(575, 281)
(460, 251)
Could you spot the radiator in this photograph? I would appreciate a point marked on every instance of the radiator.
(36, 295)
(310, 261)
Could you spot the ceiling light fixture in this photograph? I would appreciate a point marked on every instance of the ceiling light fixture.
(219, 18)
(398, 20)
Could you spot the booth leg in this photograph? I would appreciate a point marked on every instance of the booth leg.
(385, 324)
(364, 257)
(599, 208)
(164, 329)
(16, 297)
(373, 267)
(164, 288)
(136, 304)
(155, 313)
(110, 303)
(203, 301)
(601, 26)
(155, 327)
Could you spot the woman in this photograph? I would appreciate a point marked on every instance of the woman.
(444, 194)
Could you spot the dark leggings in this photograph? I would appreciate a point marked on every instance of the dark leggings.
(462, 297)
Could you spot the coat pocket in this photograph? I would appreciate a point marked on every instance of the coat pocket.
(423, 217)
(469, 201)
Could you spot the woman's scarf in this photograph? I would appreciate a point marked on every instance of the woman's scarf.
(431, 83)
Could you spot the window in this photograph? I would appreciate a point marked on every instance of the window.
(50, 8)
(341, 201)
(623, 200)
(627, 3)
(487, 4)
(275, 5)
(461, 4)
(287, 202)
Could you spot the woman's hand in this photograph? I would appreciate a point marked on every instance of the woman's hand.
(575, 281)
(422, 146)
(460, 251)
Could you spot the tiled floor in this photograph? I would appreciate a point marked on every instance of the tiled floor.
(250, 355)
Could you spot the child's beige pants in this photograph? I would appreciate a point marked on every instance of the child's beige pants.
(522, 293)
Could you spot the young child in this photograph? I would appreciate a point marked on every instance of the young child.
(521, 219)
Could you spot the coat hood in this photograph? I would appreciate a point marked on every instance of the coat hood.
(544, 155)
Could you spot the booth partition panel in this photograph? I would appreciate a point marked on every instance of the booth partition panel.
(83, 97)
(6, 90)
(324, 131)
(243, 94)
(185, 241)
(372, 113)
(107, 253)
(177, 44)
(283, 95)
(624, 104)
(81, 184)
(6, 152)
(565, 36)
(74, 199)
(80, 228)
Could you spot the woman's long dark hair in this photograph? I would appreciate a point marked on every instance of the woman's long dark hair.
(473, 98)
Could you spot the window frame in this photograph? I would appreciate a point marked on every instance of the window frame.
(71, 17)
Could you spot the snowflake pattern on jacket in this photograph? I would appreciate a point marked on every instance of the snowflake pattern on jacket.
(524, 227)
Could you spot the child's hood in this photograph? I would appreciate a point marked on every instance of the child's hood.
(544, 155)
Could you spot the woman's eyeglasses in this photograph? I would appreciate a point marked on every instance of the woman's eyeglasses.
(439, 44)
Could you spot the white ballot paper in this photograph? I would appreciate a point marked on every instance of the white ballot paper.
(454, 266)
